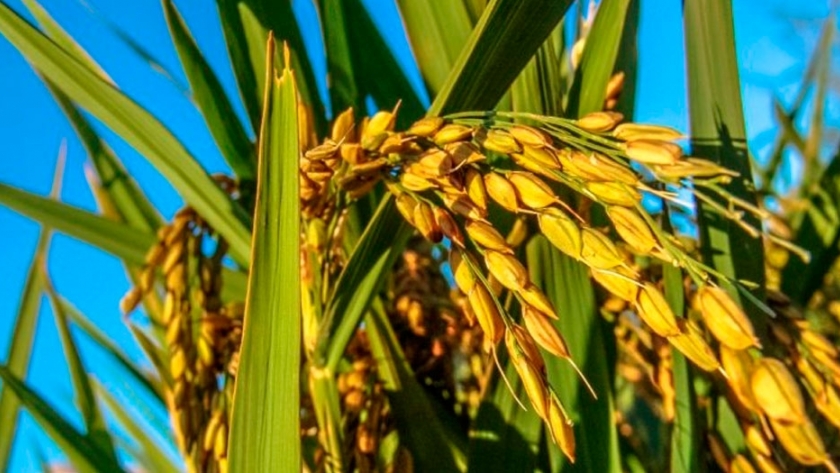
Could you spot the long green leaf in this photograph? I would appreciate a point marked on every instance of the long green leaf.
(22, 339)
(342, 86)
(156, 458)
(819, 234)
(210, 98)
(151, 383)
(265, 430)
(113, 237)
(246, 24)
(85, 454)
(718, 133)
(26, 323)
(599, 57)
(504, 40)
(92, 417)
(438, 32)
(137, 126)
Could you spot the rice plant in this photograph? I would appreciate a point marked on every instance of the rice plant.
(506, 280)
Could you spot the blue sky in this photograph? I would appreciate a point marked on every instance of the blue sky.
(772, 51)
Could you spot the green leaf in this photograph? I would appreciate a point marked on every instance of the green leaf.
(246, 24)
(504, 40)
(344, 92)
(210, 98)
(113, 237)
(26, 325)
(819, 234)
(718, 133)
(134, 124)
(686, 433)
(599, 58)
(84, 453)
(438, 32)
(20, 348)
(435, 444)
(84, 398)
(150, 382)
(265, 425)
(155, 457)
(154, 353)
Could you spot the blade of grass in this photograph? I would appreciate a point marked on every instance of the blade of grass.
(436, 445)
(599, 58)
(26, 325)
(85, 401)
(438, 32)
(504, 40)
(265, 425)
(718, 133)
(154, 353)
(247, 24)
(150, 382)
(210, 98)
(819, 234)
(156, 459)
(627, 61)
(342, 86)
(134, 124)
(686, 439)
(85, 454)
(113, 237)
(811, 154)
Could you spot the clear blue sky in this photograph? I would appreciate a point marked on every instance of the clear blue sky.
(772, 51)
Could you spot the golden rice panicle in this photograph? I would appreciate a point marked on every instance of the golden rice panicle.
(599, 122)
(560, 427)
(724, 318)
(461, 272)
(529, 346)
(738, 365)
(424, 221)
(377, 129)
(532, 295)
(448, 226)
(655, 312)
(474, 186)
(776, 392)
(690, 342)
(452, 132)
(614, 193)
(740, 464)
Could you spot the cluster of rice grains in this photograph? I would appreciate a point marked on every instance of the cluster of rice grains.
(202, 335)
(453, 179)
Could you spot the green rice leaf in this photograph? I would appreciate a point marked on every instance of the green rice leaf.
(154, 458)
(504, 40)
(599, 59)
(135, 125)
(85, 400)
(83, 452)
(718, 133)
(438, 32)
(265, 425)
(210, 98)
